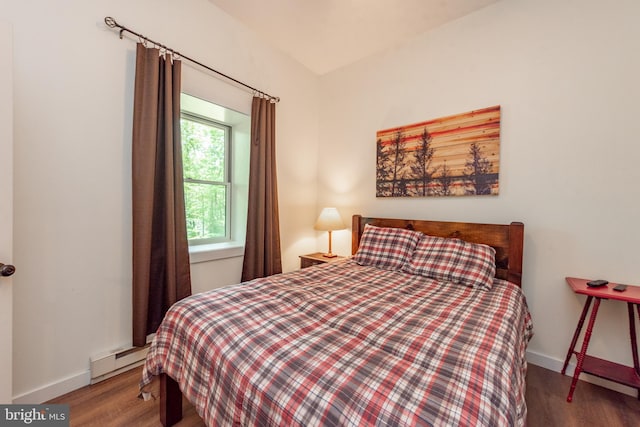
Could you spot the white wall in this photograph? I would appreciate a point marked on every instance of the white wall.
(73, 91)
(566, 76)
(6, 208)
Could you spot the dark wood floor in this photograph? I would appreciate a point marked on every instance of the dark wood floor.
(114, 402)
(592, 405)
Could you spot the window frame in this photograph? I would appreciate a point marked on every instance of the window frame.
(227, 175)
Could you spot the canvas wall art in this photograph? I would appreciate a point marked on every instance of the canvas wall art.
(456, 155)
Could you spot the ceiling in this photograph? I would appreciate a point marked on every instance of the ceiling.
(327, 34)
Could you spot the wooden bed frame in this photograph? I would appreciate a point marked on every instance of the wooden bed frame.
(506, 239)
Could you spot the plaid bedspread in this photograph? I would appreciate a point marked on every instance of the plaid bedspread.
(343, 344)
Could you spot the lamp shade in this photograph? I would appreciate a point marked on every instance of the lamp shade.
(329, 220)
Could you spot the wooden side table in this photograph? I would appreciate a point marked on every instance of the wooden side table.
(629, 376)
(317, 258)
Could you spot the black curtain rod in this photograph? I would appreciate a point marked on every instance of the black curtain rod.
(111, 23)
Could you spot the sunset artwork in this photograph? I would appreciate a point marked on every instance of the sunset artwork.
(456, 155)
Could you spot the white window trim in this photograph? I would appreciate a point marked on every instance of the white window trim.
(239, 148)
(215, 251)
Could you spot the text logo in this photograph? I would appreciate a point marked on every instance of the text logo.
(34, 415)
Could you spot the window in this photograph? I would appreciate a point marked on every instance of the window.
(215, 154)
(205, 156)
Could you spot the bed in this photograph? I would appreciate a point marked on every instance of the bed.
(425, 325)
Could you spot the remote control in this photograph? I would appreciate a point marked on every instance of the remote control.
(596, 283)
(620, 288)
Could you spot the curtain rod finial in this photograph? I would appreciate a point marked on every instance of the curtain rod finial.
(111, 23)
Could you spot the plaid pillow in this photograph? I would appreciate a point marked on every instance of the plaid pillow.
(454, 260)
(386, 248)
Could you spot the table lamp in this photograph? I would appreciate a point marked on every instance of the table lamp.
(329, 220)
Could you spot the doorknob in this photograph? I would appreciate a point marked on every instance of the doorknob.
(6, 270)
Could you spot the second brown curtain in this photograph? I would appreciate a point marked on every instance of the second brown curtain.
(161, 270)
(262, 255)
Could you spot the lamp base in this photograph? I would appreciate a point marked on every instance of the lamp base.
(329, 255)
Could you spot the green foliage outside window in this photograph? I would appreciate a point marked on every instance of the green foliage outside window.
(206, 185)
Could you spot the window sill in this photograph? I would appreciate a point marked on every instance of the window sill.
(215, 251)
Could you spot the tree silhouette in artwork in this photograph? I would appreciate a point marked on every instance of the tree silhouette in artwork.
(445, 180)
(383, 169)
(402, 188)
(477, 169)
(399, 149)
(422, 160)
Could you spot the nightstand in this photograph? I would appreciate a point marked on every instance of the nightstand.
(317, 258)
(627, 375)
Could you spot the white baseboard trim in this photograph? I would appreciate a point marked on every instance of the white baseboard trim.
(556, 365)
(54, 389)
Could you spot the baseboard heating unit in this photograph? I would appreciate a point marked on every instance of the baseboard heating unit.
(113, 363)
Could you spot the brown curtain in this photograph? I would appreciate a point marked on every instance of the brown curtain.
(262, 247)
(161, 274)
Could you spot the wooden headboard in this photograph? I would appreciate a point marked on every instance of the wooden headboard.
(506, 239)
